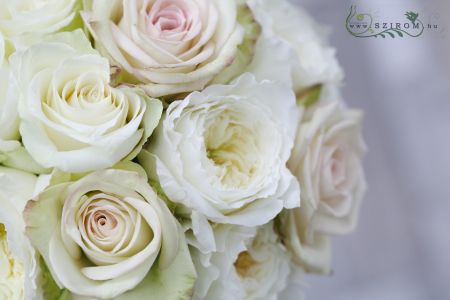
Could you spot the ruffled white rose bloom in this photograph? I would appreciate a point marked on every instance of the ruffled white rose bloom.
(71, 118)
(292, 41)
(264, 267)
(19, 18)
(327, 162)
(222, 153)
(217, 276)
(244, 267)
(108, 233)
(171, 46)
(18, 262)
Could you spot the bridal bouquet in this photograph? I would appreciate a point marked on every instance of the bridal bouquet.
(170, 149)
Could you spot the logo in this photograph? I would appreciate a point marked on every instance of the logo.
(363, 25)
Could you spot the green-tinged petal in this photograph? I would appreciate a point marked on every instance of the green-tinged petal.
(21, 159)
(42, 218)
(77, 21)
(130, 166)
(151, 119)
(246, 49)
(148, 162)
(175, 282)
(76, 39)
(49, 287)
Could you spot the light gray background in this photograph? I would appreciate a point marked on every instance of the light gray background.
(401, 249)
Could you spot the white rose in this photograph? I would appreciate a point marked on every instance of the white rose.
(264, 267)
(12, 153)
(327, 162)
(170, 46)
(291, 36)
(9, 120)
(21, 17)
(310, 250)
(71, 118)
(18, 262)
(244, 266)
(217, 277)
(222, 153)
(104, 234)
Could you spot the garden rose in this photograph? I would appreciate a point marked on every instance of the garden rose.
(170, 46)
(327, 162)
(21, 17)
(103, 234)
(263, 268)
(294, 40)
(71, 118)
(214, 267)
(222, 153)
(245, 265)
(18, 262)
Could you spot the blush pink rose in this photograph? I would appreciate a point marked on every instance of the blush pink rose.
(169, 46)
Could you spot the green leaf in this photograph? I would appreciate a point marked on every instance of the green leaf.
(391, 34)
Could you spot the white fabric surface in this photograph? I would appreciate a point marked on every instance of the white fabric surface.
(401, 249)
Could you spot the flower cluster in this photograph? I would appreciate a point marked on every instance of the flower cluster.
(170, 149)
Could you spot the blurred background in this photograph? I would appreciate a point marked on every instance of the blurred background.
(401, 249)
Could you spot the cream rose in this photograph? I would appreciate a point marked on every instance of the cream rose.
(20, 17)
(327, 162)
(292, 43)
(12, 153)
(310, 250)
(222, 153)
(9, 119)
(104, 234)
(170, 46)
(19, 268)
(71, 118)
